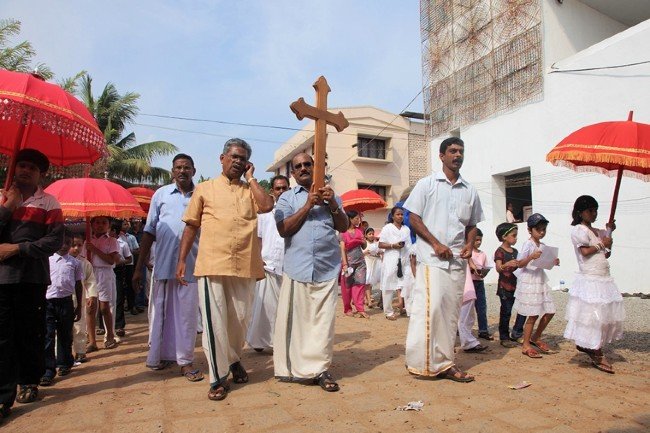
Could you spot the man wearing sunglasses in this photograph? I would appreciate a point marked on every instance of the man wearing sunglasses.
(304, 329)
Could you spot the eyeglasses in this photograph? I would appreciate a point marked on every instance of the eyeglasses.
(303, 164)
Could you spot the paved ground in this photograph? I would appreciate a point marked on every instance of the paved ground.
(114, 392)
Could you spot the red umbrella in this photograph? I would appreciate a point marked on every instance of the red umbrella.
(88, 197)
(40, 115)
(612, 148)
(142, 195)
(362, 200)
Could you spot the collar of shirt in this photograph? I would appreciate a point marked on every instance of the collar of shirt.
(440, 175)
(177, 190)
(105, 235)
(58, 256)
(224, 179)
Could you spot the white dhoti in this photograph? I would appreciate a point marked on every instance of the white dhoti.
(437, 297)
(265, 305)
(465, 325)
(173, 321)
(225, 303)
(303, 342)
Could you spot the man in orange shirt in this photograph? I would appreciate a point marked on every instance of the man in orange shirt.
(229, 260)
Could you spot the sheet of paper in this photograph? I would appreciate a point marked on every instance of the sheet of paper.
(547, 259)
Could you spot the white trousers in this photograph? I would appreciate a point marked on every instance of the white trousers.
(79, 337)
(172, 326)
(225, 304)
(303, 343)
(465, 325)
(387, 301)
(265, 305)
(437, 297)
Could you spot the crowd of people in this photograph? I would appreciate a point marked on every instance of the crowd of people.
(227, 259)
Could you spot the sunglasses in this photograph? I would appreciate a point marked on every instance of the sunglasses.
(302, 164)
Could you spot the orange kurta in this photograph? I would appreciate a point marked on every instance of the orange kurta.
(226, 212)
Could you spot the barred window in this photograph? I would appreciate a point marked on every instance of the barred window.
(381, 190)
(371, 148)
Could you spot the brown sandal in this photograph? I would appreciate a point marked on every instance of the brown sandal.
(541, 346)
(218, 392)
(531, 353)
(455, 374)
(598, 360)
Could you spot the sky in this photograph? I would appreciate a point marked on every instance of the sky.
(233, 61)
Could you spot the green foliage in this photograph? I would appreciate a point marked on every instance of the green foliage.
(127, 160)
(18, 57)
(203, 179)
(266, 184)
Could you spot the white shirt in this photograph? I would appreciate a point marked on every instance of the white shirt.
(446, 210)
(272, 242)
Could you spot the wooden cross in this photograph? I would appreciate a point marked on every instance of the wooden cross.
(322, 117)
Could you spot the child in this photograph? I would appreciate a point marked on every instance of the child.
(104, 253)
(595, 310)
(88, 304)
(372, 254)
(468, 342)
(60, 314)
(533, 293)
(122, 280)
(477, 265)
(505, 258)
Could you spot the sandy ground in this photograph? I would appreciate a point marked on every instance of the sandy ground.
(114, 392)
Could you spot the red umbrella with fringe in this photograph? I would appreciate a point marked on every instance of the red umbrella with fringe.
(362, 200)
(611, 148)
(40, 115)
(142, 195)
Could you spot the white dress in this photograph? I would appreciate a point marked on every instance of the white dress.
(533, 294)
(373, 263)
(595, 311)
(389, 280)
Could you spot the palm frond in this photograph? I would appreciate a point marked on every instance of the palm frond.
(126, 142)
(71, 84)
(148, 151)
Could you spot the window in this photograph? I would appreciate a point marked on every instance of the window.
(381, 190)
(371, 148)
(287, 169)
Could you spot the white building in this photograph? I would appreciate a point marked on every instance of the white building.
(506, 142)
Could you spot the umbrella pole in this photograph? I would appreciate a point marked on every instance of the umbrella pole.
(619, 176)
(88, 256)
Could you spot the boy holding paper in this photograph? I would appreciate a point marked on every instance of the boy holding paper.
(533, 297)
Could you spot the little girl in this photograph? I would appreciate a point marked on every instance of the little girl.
(396, 272)
(372, 255)
(533, 297)
(595, 310)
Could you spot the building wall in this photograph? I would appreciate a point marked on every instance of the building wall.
(348, 170)
(521, 139)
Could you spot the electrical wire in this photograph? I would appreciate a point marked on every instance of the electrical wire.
(596, 68)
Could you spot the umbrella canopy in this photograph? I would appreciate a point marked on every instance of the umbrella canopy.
(40, 115)
(142, 195)
(612, 148)
(87, 198)
(362, 200)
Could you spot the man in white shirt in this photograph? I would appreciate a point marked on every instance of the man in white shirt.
(445, 210)
(265, 303)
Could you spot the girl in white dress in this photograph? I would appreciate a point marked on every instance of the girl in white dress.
(595, 311)
(372, 254)
(396, 274)
(533, 296)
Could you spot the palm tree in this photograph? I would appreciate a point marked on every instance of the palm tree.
(126, 161)
(18, 57)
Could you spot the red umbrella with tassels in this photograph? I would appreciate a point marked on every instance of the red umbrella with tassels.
(362, 200)
(40, 115)
(612, 148)
(142, 195)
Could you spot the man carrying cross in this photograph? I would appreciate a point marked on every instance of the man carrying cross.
(304, 329)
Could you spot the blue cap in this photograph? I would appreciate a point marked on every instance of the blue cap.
(535, 219)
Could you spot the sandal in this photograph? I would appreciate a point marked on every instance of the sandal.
(363, 315)
(485, 336)
(110, 344)
(46, 381)
(391, 317)
(598, 360)
(27, 394)
(327, 382)
(456, 375)
(161, 366)
(100, 331)
(531, 353)
(476, 349)
(541, 346)
(218, 392)
(193, 375)
(90, 348)
(239, 374)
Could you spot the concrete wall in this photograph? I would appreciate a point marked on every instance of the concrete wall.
(522, 138)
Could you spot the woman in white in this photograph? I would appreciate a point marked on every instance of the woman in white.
(372, 254)
(396, 273)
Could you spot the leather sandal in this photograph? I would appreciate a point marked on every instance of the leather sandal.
(327, 382)
(239, 374)
(218, 392)
(455, 374)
